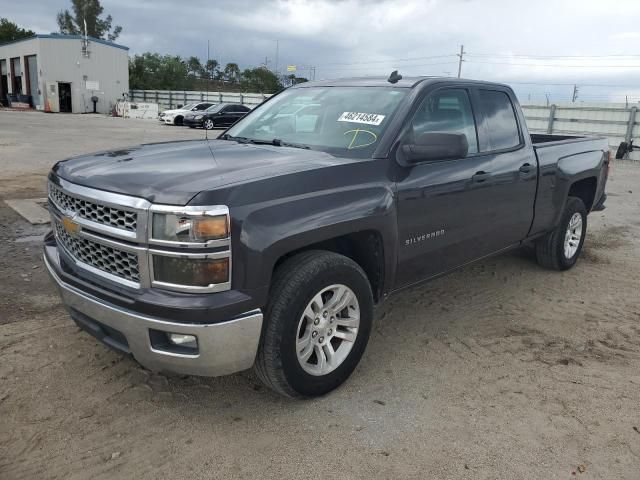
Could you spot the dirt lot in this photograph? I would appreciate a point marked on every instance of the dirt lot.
(502, 370)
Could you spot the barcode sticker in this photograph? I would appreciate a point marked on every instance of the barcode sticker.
(366, 118)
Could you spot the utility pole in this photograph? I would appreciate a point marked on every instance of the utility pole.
(462, 52)
(277, 51)
(575, 93)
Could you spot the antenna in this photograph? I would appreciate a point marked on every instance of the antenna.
(394, 77)
(206, 132)
(85, 42)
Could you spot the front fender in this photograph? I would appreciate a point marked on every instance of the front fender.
(276, 228)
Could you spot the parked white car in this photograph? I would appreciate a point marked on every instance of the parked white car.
(175, 116)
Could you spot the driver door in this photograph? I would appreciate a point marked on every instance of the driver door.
(444, 207)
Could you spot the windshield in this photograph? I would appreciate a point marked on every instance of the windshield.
(343, 121)
(188, 107)
(214, 108)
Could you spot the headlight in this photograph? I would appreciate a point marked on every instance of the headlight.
(199, 255)
(189, 228)
(198, 117)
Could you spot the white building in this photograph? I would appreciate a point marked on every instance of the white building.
(61, 73)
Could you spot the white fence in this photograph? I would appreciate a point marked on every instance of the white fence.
(618, 122)
(173, 99)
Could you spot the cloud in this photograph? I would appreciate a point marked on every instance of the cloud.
(366, 37)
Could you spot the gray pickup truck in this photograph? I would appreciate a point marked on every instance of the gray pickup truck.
(270, 246)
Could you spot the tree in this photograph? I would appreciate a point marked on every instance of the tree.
(260, 80)
(152, 71)
(9, 31)
(232, 73)
(195, 67)
(89, 11)
(293, 80)
(211, 68)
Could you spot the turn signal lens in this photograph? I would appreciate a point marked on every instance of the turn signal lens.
(189, 228)
(211, 228)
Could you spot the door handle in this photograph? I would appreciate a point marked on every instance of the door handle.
(526, 168)
(480, 177)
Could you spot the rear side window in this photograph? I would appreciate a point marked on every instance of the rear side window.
(446, 111)
(500, 118)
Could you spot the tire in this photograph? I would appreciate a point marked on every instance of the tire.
(550, 249)
(208, 124)
(177, 121)
(296, 283)
(622, 149)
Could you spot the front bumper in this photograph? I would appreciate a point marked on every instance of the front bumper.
(223, 348)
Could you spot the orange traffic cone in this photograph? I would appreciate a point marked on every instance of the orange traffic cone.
(47, 106)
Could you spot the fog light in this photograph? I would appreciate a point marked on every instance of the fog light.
(183, 340)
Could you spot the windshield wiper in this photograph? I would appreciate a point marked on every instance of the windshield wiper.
(282, 143)
(275, 142)
(237, 139)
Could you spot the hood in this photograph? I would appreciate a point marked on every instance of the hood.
(173, 173)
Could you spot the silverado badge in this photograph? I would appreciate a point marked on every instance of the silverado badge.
(70, 226)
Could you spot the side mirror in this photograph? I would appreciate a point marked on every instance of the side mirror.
(436, 146)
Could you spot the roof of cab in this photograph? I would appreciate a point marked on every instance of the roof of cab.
(405, 82)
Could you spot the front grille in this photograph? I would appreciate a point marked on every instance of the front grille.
(113, 217)
(107, 259)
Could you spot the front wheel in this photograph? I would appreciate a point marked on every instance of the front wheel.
(208, 124)
(317, 324)
(560, 248)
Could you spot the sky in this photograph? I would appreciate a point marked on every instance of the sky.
(540, 47)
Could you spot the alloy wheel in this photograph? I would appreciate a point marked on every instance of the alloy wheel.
(327, 330)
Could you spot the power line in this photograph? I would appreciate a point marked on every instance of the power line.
(549, 56)
(390, 60)
(390, 63)
(554, 65)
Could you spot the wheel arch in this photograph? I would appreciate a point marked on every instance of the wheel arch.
(366, 248)
(584, 189)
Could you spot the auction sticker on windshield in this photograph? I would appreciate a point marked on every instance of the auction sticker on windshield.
(366, 118)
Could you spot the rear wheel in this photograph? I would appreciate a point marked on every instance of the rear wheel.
(561, 248)
(317, 324)
(208, 124)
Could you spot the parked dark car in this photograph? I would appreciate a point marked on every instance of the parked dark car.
(270, 246)
(220, 115)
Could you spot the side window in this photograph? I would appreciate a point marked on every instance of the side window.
(500, 118)
(202, 106)
(446, 111)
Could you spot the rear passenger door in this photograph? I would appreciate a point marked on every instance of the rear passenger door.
(510, 164)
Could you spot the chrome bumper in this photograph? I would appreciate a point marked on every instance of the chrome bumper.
(223, 348)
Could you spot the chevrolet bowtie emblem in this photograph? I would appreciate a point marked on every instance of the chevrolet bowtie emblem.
(69, 225)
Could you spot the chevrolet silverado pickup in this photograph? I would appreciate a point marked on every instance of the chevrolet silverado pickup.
(270, 246)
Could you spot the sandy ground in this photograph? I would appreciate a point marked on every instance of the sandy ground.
(502, 370)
